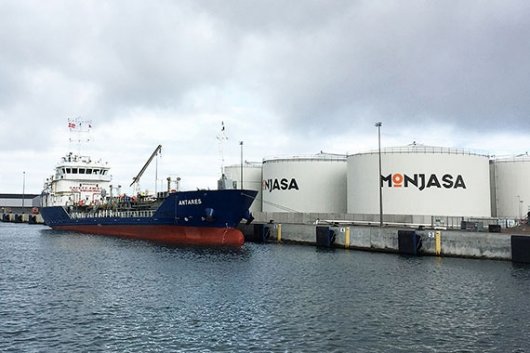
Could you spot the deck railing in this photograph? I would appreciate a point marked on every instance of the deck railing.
(112, 214)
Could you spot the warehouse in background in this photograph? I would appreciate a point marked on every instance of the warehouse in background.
(420, 180)
(21, 203)
(305, 184)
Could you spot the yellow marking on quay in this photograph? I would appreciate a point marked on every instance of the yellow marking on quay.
(347, 238)
(438, 243)
(279, 234)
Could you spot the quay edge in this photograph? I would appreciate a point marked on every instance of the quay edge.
(22, 218)
(434, 242)
(454, 243)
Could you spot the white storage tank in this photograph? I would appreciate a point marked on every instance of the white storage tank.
(510, 186)
(305, 184)
(251, 179)
(420, 180)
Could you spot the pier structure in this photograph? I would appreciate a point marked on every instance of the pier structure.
(20, 208)
(485, 238)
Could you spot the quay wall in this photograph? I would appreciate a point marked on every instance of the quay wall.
(21, 218)
(302, 228)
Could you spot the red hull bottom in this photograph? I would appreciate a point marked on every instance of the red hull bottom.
(173, 235)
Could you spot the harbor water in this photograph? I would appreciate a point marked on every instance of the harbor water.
(66, 292)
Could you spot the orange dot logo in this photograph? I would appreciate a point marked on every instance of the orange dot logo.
(397, 180)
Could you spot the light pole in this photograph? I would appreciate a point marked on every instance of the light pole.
(378, 125)
(23, 187)
(241, 144)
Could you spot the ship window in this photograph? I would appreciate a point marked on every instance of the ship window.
(89, 171)
(64, 171)
(104, 172)
(81, 170)
(68, 170)
(74, 170)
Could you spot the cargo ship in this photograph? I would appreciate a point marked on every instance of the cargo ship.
(80, 198)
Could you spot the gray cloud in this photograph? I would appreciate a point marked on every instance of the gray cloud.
(310, 69)
(433, 61)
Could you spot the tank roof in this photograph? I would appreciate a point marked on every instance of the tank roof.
(523, 157)
(246, 164)
(420, 148)
(322, 156)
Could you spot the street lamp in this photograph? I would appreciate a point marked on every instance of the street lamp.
(378, 125)
(241, 144)
(23, 187)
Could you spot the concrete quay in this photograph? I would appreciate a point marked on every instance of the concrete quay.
(22, 218)
(433, 241)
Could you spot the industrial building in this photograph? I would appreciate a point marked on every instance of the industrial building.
(252, 180)
(415, 180)
(305, 184)
(419, 180)
(18, 202)
(510, 189)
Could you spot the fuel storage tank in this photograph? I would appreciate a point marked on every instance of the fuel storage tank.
(420, 180)
(307, 184)
(251, 179)
(510, 186)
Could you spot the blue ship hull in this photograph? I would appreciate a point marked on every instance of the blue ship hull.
(202, 217)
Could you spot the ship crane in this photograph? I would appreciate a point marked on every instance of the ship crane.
(136, 179)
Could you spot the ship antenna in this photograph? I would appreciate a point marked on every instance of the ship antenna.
(79, 132)
(221, 137)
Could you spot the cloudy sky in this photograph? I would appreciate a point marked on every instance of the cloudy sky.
(286, 77)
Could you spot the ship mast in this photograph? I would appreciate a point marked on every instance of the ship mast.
(80, 129)
(221, 137)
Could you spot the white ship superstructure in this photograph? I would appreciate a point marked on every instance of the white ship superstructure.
(78, 181)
